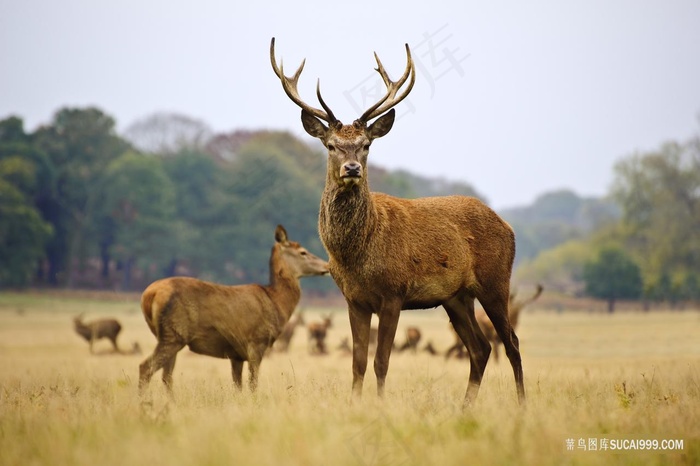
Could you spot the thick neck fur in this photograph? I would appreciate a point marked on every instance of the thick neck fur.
(284, 288)
(347, 218)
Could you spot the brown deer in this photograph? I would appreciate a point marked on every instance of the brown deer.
(97, 329)
(413, 336)
(514, 309)
(285, 338)
(235, 322)
(317, 334)
(387, 254)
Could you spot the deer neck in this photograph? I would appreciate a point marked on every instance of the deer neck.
(347, 218)
(284, 288)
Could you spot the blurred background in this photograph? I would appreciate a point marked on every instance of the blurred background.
(139, 141)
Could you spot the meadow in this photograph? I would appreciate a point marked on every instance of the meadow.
(594, 381)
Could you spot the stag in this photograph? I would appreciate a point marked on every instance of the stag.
(97, 329)
(238, 323)
(317, 334)
(388, 254)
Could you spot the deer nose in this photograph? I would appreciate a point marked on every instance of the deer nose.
(352, 169)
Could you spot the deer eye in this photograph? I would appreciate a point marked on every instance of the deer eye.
(366, 147)
(331, 147)
(303, 253)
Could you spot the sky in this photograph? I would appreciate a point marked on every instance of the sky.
(515, 99)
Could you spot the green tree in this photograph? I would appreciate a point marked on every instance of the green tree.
(23, 232)
(138, 201)
(659, 193)
(79, 144)
(612, 276)
(199, 181)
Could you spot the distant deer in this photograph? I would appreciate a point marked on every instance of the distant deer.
(97, 329)
(387, 254)
(514, 309)
(317, 334)
(285, 338)
(344, 347)
(429, 348)
(413, 336)
(234, 322)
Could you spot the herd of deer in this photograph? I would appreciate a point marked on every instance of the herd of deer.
(386, 255)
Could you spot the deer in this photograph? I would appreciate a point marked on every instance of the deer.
(388, 254)
(285, 338)
(238, 322)
(413, 336)
(317, 334)
(97, 329)
(514, 309)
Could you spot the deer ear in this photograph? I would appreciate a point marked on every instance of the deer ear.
(280, 234)
(381, 125)
(313, 125)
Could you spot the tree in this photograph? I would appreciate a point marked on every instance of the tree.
(79, 145)
(612, 276)
(138, 201)
(168, 133)
(23, 232)
(659, 193)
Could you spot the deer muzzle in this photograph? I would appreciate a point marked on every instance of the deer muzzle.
(351, 172)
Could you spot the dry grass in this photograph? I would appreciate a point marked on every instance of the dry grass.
(628, 376)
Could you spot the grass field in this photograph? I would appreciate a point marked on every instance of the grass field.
(591, 379)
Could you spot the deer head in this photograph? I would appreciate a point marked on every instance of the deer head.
(348, 145)
(299, 260)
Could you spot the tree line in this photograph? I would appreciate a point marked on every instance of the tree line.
(83, 207)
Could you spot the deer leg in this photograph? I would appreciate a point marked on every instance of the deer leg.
(461, 313)
(114, 344)
(237, 373)
(359, 326)
(388, 321)
(163, 353)
(497, 310)
(255, 356)
(168, 368)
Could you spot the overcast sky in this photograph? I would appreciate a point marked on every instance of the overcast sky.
(515, 99)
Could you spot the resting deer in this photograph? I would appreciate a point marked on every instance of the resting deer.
(387, 254)
(97, 329)
(413, 336)
(235, 322)
(514, 309)
(317, 334)
(285, 338)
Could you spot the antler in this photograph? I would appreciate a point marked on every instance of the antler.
(289, 84)
(390, 100)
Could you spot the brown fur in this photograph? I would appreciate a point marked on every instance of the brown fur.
(238, 323)
(97, 329)
(387, 254)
